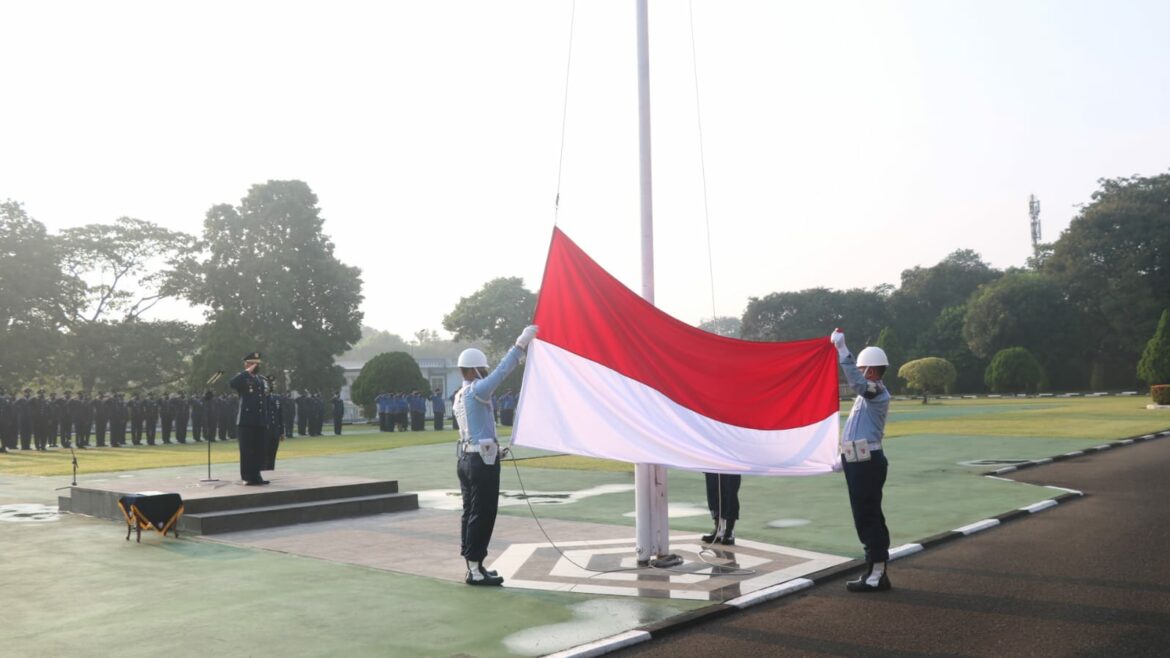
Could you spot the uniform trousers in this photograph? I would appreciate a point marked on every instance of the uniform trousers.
(253, 449)
(438, 420)
(480, 485)
(865, 481)
(99, 428)
(723, 495)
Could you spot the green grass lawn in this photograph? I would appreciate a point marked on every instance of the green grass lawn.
(102, 460)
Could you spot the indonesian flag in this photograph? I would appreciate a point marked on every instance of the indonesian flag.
(611, 376)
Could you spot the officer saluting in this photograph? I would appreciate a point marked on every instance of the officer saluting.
(253, 418)
(864, 461)
(479, 472)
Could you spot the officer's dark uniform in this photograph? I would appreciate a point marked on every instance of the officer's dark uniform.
(24, 419)
(274, 432)
(252, 421)
(196, 406)
(134, 406)
(288, 412)
(42, 416)
(117, 412)
(150, 417)
(166, 415)
(438, 408)
(338, 414)
(6, 417)
(101, 418)
(303, 413)
(81, 413)
(209, 417)
(182, 414)
(226, 407)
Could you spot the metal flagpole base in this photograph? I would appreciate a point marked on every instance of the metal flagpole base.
(664, 561)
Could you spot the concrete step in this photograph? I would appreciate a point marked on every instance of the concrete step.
(253, 497)
(271, 516)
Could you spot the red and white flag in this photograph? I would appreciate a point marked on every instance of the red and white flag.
(611, 376)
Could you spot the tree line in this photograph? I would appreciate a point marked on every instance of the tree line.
(73, 305)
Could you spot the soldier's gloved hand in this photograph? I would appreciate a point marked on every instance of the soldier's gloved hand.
(838, 466)
(526, 337)
(838, 340)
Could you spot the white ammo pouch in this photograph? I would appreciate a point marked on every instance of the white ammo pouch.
(855, 451)
(488, 451)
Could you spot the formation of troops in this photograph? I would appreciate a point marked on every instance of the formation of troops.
(43, 420)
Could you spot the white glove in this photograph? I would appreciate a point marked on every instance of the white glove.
(838, 466)
(526, 337)
(838, 340)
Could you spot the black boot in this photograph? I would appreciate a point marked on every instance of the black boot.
(477, 575)
(716, 535)
(869, 581)
(729, 533)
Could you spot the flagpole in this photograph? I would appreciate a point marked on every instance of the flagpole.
(650, 499)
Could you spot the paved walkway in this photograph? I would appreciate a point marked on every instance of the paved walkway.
(1087, 578)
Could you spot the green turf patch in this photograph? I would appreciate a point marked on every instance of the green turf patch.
(104, 460)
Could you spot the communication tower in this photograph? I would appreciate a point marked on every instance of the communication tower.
(1034, 213)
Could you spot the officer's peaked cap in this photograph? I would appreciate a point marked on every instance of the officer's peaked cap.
(252, 356)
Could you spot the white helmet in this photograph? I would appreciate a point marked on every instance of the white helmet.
(871, 356)
(472, 358)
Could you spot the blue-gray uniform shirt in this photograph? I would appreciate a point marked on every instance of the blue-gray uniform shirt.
(867, 419)
(473, 402)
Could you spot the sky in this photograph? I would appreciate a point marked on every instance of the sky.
(817, 144)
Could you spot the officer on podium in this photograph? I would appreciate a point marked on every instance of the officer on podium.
(253, 418)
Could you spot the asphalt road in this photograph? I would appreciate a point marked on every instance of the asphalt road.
(1090, 577)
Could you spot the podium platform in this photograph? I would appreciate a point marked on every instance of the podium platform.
(229, 506)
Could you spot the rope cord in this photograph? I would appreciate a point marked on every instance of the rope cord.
(702, 156)
(716, 569)
(564, 114)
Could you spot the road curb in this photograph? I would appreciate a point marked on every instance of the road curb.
(701, 615)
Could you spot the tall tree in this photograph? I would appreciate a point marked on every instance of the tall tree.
(120, 271)
(730, 327)
(944, 338)
(927, 291)
(1154, 368)
(1029, 310)
(36, 298)
(816, 312)
(1113, 262)
(495, 314)
(269, 260)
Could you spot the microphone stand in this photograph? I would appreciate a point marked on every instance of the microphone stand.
(214, 378)
(74, 483)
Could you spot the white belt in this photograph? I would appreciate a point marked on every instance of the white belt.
(471, 446)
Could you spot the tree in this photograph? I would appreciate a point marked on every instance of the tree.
(1014, 370)
(892, 346)
(269, 261)
(495, 314)
(1154, 368)
(929, 375)
(1027, 309)
(392, 372)
(119, 271)
(815, 312)
(927, 291)
(35, 296)
(1113, 262)
(723, 326)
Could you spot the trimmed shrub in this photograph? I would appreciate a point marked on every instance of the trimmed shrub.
(1014, 370)
(1160, 394)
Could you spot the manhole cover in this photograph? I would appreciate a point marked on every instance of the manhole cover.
(28, 513)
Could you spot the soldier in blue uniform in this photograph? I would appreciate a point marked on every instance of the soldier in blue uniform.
(418, 411)
(478, 450)
(101, 418)
(81, 413)
(195, 404)
(303, 413)
(288, 412)
(24, 419)
(863, 459)
(383, 405)
(166, 415)
(117, 413)
(253, 418)
(507, 408)
(438, 407)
